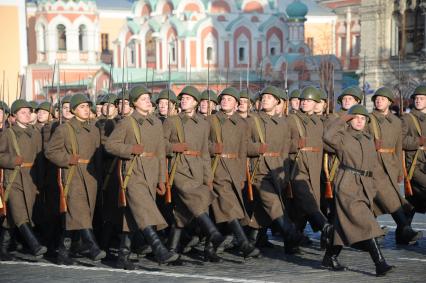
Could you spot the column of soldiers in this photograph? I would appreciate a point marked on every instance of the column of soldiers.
(162, 173)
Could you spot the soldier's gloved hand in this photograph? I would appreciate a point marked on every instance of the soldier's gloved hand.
(19, 160)
(263, 147)
(179, 147)
(74, 159)
(161, 189)
(378, 144)
(422, 140)
(218, 148)
(137, 149)
(347, 117)
(301, 143)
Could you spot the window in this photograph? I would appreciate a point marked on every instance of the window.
(150, 50)
(272, 51)
(311, 43)
(82, 38)
(132, 53)
(62, 38)
(104, 42)
(241, 54)
(356, 48)
(173, 54)
(342, 47)
(209, 53)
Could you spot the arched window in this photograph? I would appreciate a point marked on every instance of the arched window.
(42, 39)
(209, 53)
(150, 50)
(132, 53)
(62, 38)
(82, 38)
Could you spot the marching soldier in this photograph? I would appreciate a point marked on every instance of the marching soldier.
(167, 104)
(228, 146)
(4, 114)
(126, 109)
(245, 103)
(74, 147)
(386, 129)
(268, 147)
(138, 141)
(20, 156)
(413, 142)
(186, 136)
(44, 114)
(204, 107)
(356, 184)
(294, 101)
(306, 131)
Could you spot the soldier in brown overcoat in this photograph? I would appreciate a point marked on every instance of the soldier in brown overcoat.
(186, 136)
(356, 184)
(228, 147)
(75, 147)
(386, 129)
(138, 141)
(268, 148)
(20, 157)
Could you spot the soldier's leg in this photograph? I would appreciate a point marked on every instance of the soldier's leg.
(123, 261)
(88, 238)
(65, 248)
(404, 234)
(36, 248)
(161, 253)
(290, 234)
(376, 255)
(174, 238)
(5, 239)
(330, 259)
(243, 243)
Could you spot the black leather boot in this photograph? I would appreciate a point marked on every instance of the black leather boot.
(162, 255)
(330, 259)
(252, 235)
(243, 243)
(36, 248)
(404, 234)
(95, 253)
(290, 234)
(123, 261)
(210, 254)
(5, 238)
(376, 255)
(174, 239)
(319, 223)
(63, 257)
(210, 229)
(188, 241)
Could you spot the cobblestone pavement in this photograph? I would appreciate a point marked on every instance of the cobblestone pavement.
(274, 266)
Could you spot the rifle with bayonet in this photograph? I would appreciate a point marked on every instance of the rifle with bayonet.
(122, 190)
(168, 196)
(62, 198)
(3, 209)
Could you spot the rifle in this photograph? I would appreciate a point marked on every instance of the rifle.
(208, 87)
(168, 197)
(286, 90)
(121, 192)
(328, 189)
(62, 201)
(407, 184)
(2, 192)
(249, 181)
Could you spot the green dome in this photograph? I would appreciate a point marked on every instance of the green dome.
(297, 9)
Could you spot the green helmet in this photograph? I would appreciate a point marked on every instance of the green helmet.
(323, 94)
(167, 94)
(191, 91)
(245, 93)
(385, 92)
(4, 107)
(272, 90)
(110, 98)
(358, 109)
(66, 99)
(45, 105)
(78, 99)
(18, 104)
(33, 104)
(154, 99)
(93, 108)
(100, 99)
(295, 93)
(312, 93)
(126, 95)
(205, 96)
(231, 91)
(352, 91)
(137, 91)
(420, 90)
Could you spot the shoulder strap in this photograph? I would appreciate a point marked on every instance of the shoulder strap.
(136, 129)
(416, 124)
(179, 129)
(74, 152)
(299, 126)
(259, 129)
(217, 129)
(375, 126)
(73, 139)
(17, 168)
(14, 141)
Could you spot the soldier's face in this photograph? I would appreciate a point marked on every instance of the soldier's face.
(23, 116)
(420, 102)
(382, 103)
(228, 103)
(320, 107)
(348, 101)
(244, 105)
(163, 106)
(358, 122)
(204, 106)
(66, 111)
(269, 102)
(143, 103)
(2, 117)
(187, 103)
(82, 111)
(308, 106)
(111, 109)
(42, 116)
(295, 103)
(101, 109)
(126, 109)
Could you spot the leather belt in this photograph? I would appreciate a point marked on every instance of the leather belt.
(386, 150)
(27, 165)
(229, 155)
(311, 149)
(83, 161)
(147, 154)
(355, 171)
(272, 154)
(192, 153)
